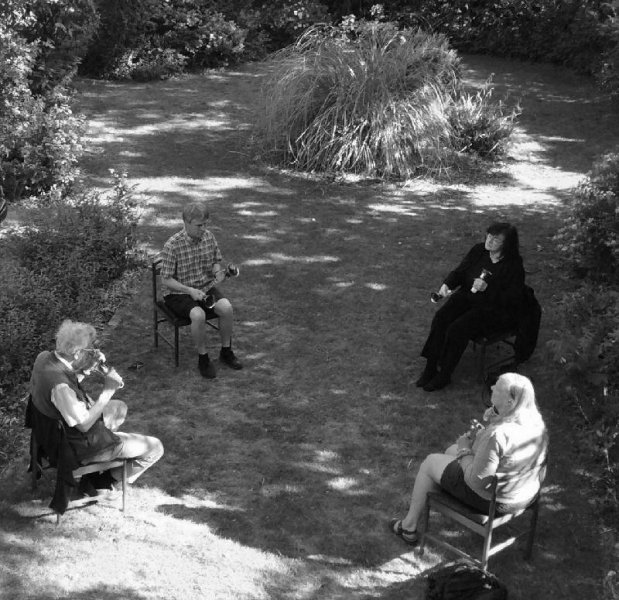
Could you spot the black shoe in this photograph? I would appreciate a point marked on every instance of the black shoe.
(438, 382)
(206, 367)
(426, 377)
(226, 355)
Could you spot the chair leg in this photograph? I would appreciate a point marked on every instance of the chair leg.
(176, 349)
(422, 526)
(532, 526)
(487, 545)
(156, 328)
(124, 485)
(34, 458)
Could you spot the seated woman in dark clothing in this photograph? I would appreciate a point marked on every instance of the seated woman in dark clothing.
(484, 295)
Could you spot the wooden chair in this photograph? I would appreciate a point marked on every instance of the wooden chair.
(480, 523)
(78, 473)
(162, 314)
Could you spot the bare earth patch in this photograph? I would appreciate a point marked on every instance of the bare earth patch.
(278, 480)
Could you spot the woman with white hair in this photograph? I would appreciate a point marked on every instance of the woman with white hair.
(512, 446)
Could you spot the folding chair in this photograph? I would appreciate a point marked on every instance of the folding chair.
(162, 314)
(96, 467)
(480, 523)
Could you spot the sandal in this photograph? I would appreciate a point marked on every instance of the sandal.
(409, 537)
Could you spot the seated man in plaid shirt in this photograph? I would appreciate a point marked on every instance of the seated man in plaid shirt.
(191, 262)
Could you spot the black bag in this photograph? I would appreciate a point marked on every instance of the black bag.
(460, 580)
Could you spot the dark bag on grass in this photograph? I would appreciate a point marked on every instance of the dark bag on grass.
(461, 580)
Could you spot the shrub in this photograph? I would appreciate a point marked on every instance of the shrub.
(156, 38)
(479, 126)
(575, 33)
(587, 351)
(59, 267)
(202, 35)
(148, 65)
(368, 98)
(590, 237)
(40, 137)
(277, 25)
(586, 344)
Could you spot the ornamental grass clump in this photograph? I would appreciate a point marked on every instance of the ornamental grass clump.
(367, 99)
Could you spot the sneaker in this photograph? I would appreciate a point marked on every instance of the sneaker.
(227, 357)
(206, 367)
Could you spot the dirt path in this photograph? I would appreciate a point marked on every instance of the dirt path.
(303, 455)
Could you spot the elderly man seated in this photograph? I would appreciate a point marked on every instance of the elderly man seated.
(89, 425)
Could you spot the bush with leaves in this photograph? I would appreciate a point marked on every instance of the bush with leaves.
(152, 39)
(586, 352)
(590, 237)
(369, 98)
(577, 33)
(479, 125)
(586, 345)
(40, 137)
(59, 266)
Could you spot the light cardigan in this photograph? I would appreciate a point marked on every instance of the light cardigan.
(515, 453)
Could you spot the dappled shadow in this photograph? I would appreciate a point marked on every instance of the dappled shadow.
(307, 452)
(565, 121)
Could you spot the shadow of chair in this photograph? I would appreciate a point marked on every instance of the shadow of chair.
(482, 524)
(162, 314)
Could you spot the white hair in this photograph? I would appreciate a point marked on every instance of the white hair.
(73, 336)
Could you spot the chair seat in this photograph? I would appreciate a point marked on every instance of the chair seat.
(172, 316)
(97, 467)
(453, 504)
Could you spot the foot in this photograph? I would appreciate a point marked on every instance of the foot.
(438, 382)
(410, 537)
(227, 357)
(206, 367)
(426, 377)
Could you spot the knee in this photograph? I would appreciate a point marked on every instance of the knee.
(156, 448)
(197, 315)
(223, 308)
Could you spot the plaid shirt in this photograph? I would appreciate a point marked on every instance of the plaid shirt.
(189, 262)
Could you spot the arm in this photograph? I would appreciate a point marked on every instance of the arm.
(76, 413)
(458, 277)
(480, 467)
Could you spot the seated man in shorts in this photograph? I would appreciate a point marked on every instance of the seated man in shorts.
(191, 259)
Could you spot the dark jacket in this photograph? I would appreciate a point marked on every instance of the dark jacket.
(505, 284)
(53, 446)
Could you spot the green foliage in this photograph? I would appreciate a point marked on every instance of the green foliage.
(586, 346)
(273, 26)
(60, 267)
(581, 34)
(156, 38)
(39, 134)
(366, 97)
(587, 352)
(479, 126)
(60, 31)
(590, 237)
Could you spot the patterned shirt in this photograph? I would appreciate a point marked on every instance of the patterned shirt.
(188, 261)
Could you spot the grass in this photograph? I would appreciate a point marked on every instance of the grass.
(278, 480)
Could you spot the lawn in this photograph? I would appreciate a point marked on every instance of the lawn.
(278, 480)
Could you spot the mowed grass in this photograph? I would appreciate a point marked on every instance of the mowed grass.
(278, 480)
